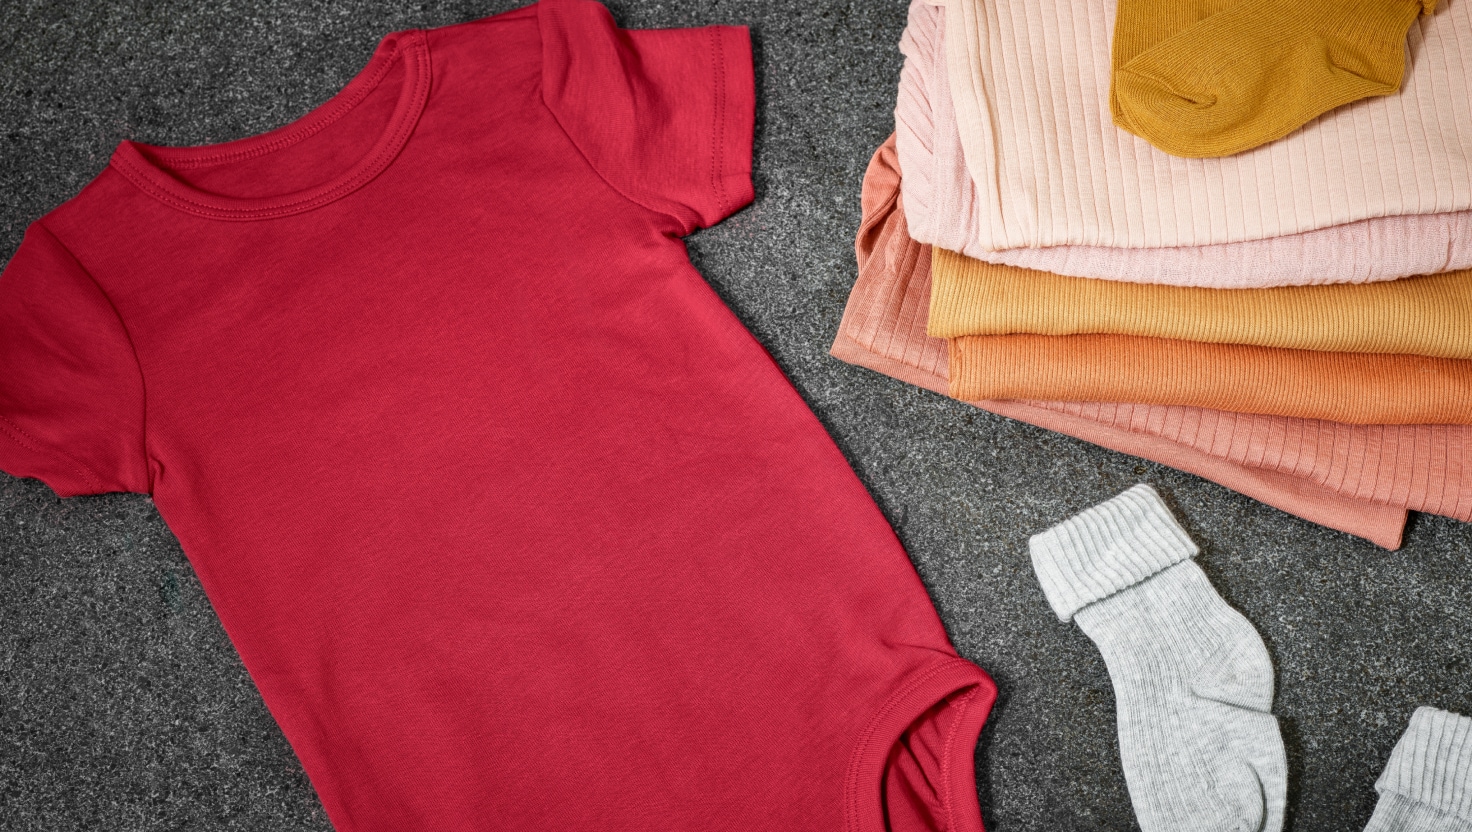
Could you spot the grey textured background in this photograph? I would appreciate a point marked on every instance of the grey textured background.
(124, 707)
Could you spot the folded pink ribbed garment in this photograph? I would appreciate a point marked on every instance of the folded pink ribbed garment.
(943, 209)
(1030, 84)
(1422, 467)
(883, 329)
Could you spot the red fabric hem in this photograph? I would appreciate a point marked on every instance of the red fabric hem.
(863, 800)
(25, 456)
(735, 120)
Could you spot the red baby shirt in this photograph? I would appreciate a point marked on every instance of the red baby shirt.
(512, 523)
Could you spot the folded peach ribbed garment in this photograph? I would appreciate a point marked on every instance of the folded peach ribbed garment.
(1429, 315)
(1354, 388)
(942, 207)
(883, 329)
(1030, 83)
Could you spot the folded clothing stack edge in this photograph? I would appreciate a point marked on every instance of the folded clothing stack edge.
(1355, 478)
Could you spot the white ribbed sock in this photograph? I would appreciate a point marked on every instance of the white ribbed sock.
(1427, 785)
(1193, 682)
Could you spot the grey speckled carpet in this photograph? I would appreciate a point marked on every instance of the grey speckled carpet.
(124, 707)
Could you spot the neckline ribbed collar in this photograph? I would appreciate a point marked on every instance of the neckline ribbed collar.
(147, 166)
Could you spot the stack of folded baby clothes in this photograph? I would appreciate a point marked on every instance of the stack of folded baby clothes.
(1287, 312)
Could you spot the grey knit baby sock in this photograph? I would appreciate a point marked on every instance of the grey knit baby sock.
(1193, 682)
(1427, 785)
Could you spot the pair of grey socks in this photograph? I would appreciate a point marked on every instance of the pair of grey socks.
(1193, 685)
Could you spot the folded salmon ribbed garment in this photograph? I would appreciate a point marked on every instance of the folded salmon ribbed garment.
(1429, 315)
(943, 208)
(1354, 388)
(883, 329)
(1030, 82)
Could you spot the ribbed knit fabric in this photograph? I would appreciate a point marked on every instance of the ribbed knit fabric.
(889, 305)
(1354, 388)
(1356, 478)
(1420, 467)
(1423, 467)
(1427, 784)
(1430, 315)
(883, 328)
(1193, 682)
(1196, 79)
(942, 208)
(1107, 549)
(1030, 84)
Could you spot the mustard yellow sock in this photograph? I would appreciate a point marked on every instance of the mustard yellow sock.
(1216, 77)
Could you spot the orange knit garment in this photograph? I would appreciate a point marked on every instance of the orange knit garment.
(1354, 388)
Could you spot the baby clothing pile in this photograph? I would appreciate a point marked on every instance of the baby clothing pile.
(1057, 233)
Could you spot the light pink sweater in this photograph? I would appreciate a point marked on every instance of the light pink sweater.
(945, 209)
(1030, 82)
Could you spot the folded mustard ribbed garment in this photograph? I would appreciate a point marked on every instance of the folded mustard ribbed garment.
(1353, 388)
(1429, 315)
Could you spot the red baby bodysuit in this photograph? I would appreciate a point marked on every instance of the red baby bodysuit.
(513, 524)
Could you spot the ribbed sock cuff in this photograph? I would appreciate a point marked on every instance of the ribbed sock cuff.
(1428, 782)
(1107, 548)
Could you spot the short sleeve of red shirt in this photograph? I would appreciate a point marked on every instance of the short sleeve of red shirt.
(663, 115)
(71, 405)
